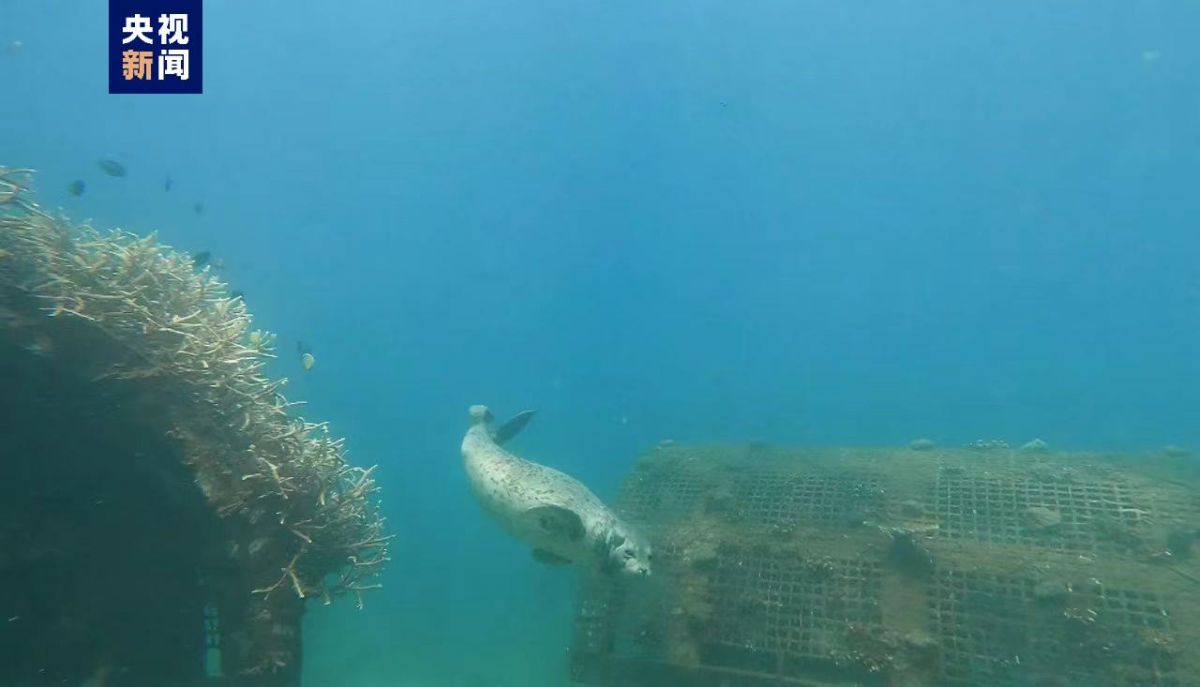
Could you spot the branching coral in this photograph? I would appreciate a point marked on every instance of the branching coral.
(301, 519)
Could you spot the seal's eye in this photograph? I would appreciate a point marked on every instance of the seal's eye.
(629, 554)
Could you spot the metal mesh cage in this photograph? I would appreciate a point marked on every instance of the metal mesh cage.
(901, 567)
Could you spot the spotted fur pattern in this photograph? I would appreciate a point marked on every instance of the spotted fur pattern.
(528, 500)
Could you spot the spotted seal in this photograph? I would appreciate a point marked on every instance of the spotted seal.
(560, 518)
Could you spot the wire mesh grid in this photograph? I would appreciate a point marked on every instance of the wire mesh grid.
(775, 602)
(788, 604)
(996, 630)
(1057, 515)
(660, 496)
(806, 499)
(759, 498)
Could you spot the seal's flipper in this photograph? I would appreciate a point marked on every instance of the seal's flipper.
(511, 428)
(558, 521)
(543, 556)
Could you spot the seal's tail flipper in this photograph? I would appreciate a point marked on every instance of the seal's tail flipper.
(480, 415)
(511, 428)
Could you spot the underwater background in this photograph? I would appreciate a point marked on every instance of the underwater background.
(794, 222)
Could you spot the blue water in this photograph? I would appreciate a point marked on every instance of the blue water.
(819, 223)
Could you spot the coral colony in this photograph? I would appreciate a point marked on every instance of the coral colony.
(296, 518)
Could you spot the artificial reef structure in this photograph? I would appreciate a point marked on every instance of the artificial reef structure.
(164, 513)
(923, 566)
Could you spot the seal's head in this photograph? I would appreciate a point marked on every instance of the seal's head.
(628, 553)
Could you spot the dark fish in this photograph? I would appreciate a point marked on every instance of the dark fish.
(168, 183)
(77, 187)
(198, 208)
(201, 259)
(111, 167)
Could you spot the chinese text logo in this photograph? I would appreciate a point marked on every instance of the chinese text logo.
(154, 46)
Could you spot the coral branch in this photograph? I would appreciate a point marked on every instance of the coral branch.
(267, 472)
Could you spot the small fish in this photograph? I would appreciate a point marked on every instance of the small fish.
(42, 346)
(238, 293)
(76, 188)
(198, 208)
(4, 253)
(111, 167)
(15, 48)
(168, 183)
(306, 357)
(201, 259)
(99, 677)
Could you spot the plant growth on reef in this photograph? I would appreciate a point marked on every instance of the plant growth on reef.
(302, 519)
